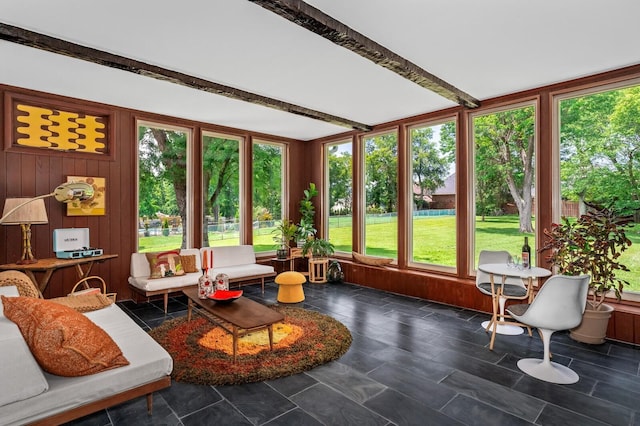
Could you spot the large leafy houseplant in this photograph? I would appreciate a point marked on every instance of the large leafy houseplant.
(307, 211)
(591, 245)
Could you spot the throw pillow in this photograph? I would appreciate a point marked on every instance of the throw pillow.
(165, 264)
(370, 260)
(84, 302)
(188, 263)
(63, 341)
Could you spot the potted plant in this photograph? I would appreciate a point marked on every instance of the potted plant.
(307, 211)
(285, 232)
(317, 248)
(165, 227)
(591, 245)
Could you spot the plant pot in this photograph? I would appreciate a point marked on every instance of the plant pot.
(165, 232)
(593, 328)
(282, 253)
(334, 273)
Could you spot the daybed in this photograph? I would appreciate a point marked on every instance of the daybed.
(30, 395)
(237, 262)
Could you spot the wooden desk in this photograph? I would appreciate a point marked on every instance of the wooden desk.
(47, 266)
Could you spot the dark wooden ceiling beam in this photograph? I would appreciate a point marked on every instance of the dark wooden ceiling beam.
(63, 47)
(324, 25)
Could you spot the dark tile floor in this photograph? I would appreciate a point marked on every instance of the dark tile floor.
(412, 362)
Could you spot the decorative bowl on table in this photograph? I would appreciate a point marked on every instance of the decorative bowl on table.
(225, 296)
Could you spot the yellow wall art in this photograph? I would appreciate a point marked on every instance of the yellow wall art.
(95, 206)
(44, 125)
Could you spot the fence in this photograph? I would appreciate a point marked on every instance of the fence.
(231, 229)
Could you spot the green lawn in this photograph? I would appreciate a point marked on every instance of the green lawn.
(434, 241)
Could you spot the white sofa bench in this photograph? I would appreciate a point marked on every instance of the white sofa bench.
(238, 262)
(140, 282)
(30, 395)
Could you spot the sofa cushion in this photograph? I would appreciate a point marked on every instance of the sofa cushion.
(63, 341)
(140, 265)
(231, 255)
(147, 284)
(188, 263)
(164, 264)
(243, 271)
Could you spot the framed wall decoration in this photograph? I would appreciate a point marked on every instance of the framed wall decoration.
(95, 206)
(36, 123)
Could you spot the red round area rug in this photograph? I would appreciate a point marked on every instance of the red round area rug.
(202, 352)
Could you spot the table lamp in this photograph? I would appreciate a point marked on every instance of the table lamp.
(29, 211)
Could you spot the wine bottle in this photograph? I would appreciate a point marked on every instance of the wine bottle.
(526, 254)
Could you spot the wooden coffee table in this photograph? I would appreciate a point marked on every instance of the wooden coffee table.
(238, 317)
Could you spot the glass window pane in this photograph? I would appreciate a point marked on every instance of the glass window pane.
(504, 144)
(340, 195)
(221, 190)
(381, 195)
(600, 162)
(162, 187)
(433, 194)
(268, 170)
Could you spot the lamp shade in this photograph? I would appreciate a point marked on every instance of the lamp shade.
(31, 211)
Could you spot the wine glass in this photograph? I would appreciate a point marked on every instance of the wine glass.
(510, 263)
(516, 261)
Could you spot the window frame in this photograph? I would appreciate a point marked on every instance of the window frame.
(190, 176)
(471, 166)
(241, 185)
(284, 180)
(325, 193)
(408, 177)
(362, 199)
(556, 193)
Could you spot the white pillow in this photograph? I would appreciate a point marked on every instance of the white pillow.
(9, 291)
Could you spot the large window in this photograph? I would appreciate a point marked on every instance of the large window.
(432, 230)
(381, 195)
(340, 195)
(268, 180)
(504, 176)
(163, 188)
(599, 160)
(220, 190)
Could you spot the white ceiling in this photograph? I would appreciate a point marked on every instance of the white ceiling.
(484, 48)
